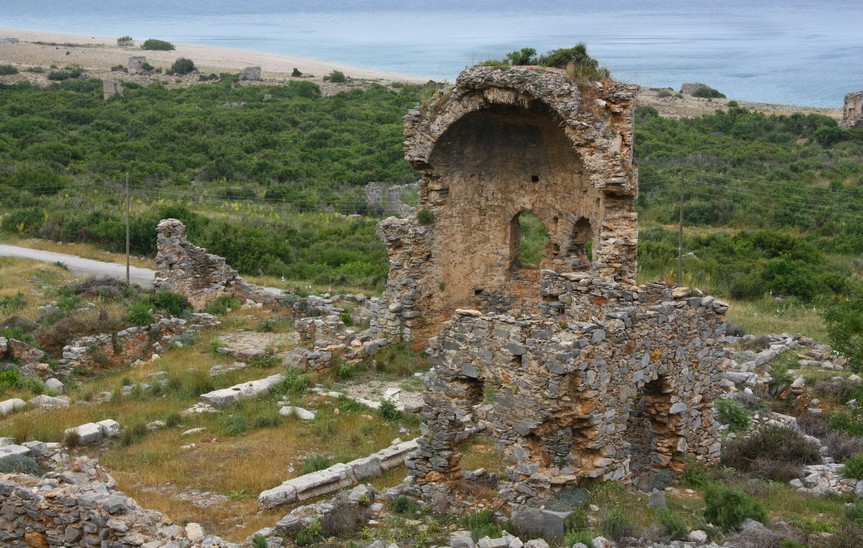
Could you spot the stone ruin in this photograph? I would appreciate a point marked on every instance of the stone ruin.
(852, 112)
(576, 371)
(199, 276)
(136, 64)
(111, 89)
(250, 74)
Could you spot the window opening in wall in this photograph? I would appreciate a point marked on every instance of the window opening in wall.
(528, 239)
(534, 178)
(581, 244)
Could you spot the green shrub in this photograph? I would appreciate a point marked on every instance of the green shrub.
(182, 66)
(222, 304)
(707, 92)
(309, 534)
(675, 526)
(314, 463)
(854, 467)
(15, 302)
(140, 313)
(293, 383)
(403, 505)
(170, 302)
(236, 425)
(425, 217)
(481, 524)
(133, 434)
(296, 73)
(20, 464)
(6, 70)
(157, 45)
(336, 76)
(726, 507)
(124, 39)
(734, 414)
(259, 541)
(844, 319)
(69, 73)
(617, 526)
(576, 536)
(388, 411)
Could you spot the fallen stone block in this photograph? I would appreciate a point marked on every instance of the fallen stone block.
(246, 390)
(14, 449)
(110, 428)
(88, 433)
(299, 412)
(48, 402)
(395, 455)
(12, 405)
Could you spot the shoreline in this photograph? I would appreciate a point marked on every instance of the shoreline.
(99, 54)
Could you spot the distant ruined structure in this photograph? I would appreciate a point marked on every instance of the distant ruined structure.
(852, 112)
(576, 371)
(111, 89)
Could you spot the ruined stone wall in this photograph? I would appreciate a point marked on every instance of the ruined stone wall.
(499, 143)
(852, 113)
(616, 383)
(190, 271)
(106, 351)
(79, 506)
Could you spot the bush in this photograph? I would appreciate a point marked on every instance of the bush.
(845, 326)
(140, 313)
(727, 508)
(617, 526)
(425, 217)
(854, 467)
(336, 76)
(314, 463)
(481, 524)
(292, 384)
(157, 45)
(734, 414)
(675, 526)
(774, 452)
(20, 464)
(236, 425)
(222, 305)
(69, 73)
(388, 411)
(6, 70)
(13, 303)
(170, 302)
(182, 66)
(403, 505)
(708, 92)
(296, 73)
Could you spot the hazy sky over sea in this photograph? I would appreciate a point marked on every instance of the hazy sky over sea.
(782, 51)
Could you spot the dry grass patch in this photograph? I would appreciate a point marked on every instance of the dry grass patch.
(767, 316)
(35, 281)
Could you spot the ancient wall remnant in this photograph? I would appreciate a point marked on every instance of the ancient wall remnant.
(500, 143)
(852, 112)
(390, 199)
(136, 64)
(610, 382)
(251, 74)
(190, 271)
(111, 88)
(576, 371)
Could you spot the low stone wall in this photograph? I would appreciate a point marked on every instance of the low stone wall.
(600, 390)
(124, 347)
(80, 506)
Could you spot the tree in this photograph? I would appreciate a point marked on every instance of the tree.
(524, 56)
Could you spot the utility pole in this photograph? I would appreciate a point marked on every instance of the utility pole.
(127, 228)
(680, 235)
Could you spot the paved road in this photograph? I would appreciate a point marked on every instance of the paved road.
(83, 267)
(88, 267)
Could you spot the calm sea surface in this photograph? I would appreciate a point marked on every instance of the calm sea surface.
(779, 51)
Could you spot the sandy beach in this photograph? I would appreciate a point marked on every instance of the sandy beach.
(98, 54)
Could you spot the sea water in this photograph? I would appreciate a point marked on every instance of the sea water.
(778, 51)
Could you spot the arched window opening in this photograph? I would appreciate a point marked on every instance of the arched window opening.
(528, 240)
(580, 244)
